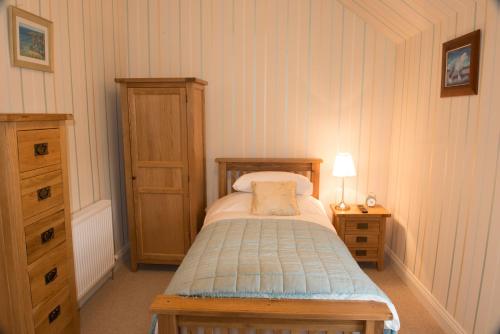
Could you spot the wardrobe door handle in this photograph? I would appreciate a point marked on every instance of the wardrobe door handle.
(47, 235)
(44, 193)
(41, 149)
(50, 276)
(54, 314)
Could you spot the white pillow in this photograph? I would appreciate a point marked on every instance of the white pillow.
(303, 185)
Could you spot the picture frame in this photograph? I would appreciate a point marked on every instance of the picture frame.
(460, 65)
(31, 40)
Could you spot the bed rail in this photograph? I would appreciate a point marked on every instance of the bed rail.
(275, 315)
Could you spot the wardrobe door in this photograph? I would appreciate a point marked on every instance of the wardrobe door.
(158, 139)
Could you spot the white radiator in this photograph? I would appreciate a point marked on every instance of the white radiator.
(92, 246)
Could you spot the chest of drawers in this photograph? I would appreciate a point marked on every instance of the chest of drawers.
(37, 285)
(363, 233)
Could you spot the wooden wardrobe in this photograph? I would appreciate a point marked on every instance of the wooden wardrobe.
(37, 279)
(164, 158)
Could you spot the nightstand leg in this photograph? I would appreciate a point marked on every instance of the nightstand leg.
(380, 264)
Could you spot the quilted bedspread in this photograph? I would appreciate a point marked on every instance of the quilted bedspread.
(264, 258)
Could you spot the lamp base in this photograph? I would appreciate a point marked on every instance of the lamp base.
(342, 206)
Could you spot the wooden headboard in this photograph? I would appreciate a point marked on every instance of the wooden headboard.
(231, 168)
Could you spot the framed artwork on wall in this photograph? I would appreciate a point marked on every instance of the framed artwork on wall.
(31, 40)
(460, 65)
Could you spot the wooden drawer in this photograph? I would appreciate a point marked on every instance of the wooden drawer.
(42, 192)
(362, 226)
(38, 148)
(48, 275)
(364, 254)
(54, 315)
(44, 235)
(358, 240)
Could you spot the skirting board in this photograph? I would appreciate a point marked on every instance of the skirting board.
(442, 316)
(86, 297)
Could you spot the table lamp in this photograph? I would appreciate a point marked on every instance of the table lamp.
(343, 167)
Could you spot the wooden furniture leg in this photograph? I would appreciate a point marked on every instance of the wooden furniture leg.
(370, 327)
(167, 324)
(374, 327)
(379, 327)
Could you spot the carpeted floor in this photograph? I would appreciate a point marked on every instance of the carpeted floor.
(121, 305)
(415, 319)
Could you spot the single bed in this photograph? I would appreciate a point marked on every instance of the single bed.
(278, 274)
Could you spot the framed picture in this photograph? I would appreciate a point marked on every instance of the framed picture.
(31, 40)
(460, 66)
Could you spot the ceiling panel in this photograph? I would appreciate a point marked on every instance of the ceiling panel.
(402, 19)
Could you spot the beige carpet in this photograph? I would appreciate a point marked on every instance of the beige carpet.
(121, 305)
(413, 316)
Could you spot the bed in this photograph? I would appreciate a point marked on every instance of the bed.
(270, 274)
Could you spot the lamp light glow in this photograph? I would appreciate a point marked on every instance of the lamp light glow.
(343, 167)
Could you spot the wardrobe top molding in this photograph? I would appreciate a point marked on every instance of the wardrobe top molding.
(163, 80)
(34, 117)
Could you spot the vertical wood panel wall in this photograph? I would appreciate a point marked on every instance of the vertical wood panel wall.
(286, 79)
(82, 84)
(297, 78)
(444, 176)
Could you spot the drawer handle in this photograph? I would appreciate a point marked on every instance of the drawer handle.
(360, 252)
(54, 314)
(361, 239)
(362, 226)
(41, 149)
(50, 276)
(43, 193)
(47, 235)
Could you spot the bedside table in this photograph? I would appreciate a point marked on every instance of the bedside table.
(363, 233)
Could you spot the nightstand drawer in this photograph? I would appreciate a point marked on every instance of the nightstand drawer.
(357, 240)
(362, 226)
(364, 254)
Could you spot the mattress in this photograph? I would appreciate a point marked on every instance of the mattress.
(301, 257)
(237, 205)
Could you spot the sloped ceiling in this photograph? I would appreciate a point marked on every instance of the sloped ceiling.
(401, 19)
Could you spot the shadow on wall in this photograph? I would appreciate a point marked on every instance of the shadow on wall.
(396, 238)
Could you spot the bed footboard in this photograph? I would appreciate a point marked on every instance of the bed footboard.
(267, 315)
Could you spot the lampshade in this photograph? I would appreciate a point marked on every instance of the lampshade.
(344, 165)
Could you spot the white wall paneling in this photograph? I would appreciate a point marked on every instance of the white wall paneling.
(443, 183)
(83, 85)
(286, 78)
(301, 78)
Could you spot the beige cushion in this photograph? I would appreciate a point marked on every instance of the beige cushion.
(274, 199)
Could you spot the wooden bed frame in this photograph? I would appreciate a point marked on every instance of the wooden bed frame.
(275, 315)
